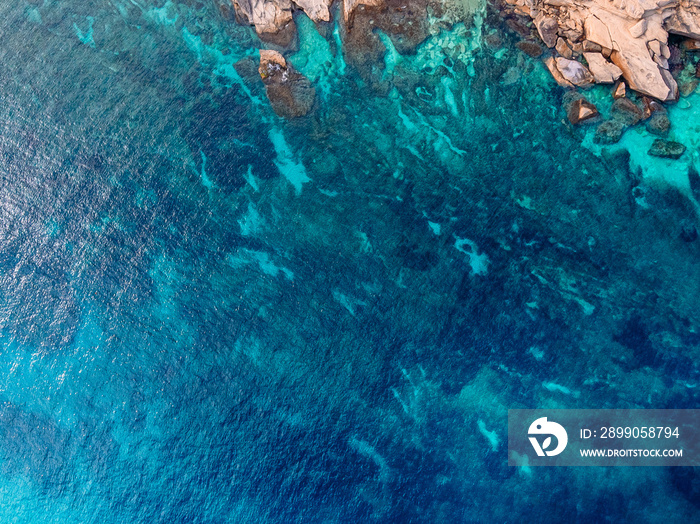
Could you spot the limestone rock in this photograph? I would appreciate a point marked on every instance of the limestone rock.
(667, 149)
(289, 92)
(603, 72)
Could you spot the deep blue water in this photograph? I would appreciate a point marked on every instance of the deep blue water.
(209, 314)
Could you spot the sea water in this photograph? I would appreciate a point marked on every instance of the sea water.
(209, 314)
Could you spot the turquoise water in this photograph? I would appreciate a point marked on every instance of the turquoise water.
(210, 314)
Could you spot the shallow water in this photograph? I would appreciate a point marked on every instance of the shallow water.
(209, 314)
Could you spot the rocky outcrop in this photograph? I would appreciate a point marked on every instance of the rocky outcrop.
(268, 16)
(290, 92)
(349, 6)
(271, 17)
(614, 38)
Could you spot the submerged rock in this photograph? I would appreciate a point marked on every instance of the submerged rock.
(689, 233)
(687, 86)
(530, 48)
(667, 149)
(659, 123)
(290, 92)
(626, 111)
(609, 132)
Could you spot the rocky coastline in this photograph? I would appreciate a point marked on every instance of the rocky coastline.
(639, 47)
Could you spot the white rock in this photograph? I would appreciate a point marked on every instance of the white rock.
(603, 72)
(574, 72)
(655, 47)
(638, 29)
(552, 66)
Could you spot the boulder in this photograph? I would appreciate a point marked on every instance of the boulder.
(530, 48)
(581, 110)
(270, 61)
(556, 74)
(574, 72)
(603, 72)
(591, 47)
(563, 49)
(620, 90)
(317, 10)
(625, 111)
(651, 106)
(548, 28)
(667, 149)
(271, 17)
(659, 124)
(684, 19)
(609, 132)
